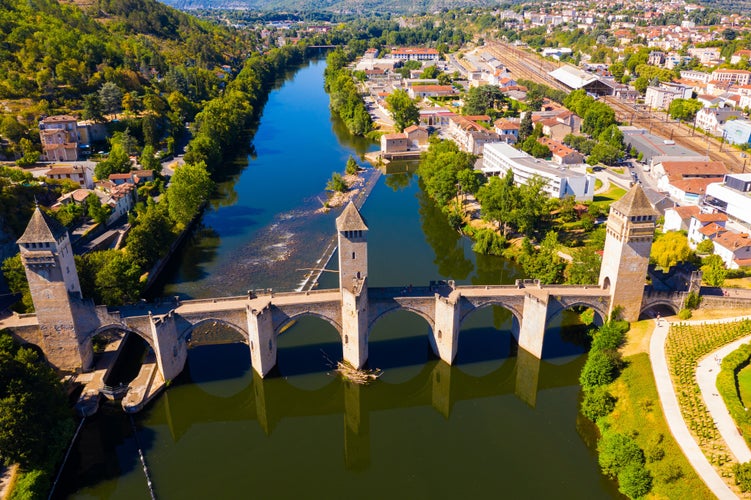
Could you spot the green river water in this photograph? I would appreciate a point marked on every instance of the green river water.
(493, 425)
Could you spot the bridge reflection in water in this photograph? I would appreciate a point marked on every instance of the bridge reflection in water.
(438, 385)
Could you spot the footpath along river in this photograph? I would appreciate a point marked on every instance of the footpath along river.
(495, 424)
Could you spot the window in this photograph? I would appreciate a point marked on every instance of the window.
(353, 255)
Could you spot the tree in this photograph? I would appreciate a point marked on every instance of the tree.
(499, 200)
(526, 127)
(634, 480)
(11, 129)
(705, 247)
(403, 109)
(30, 154)
(670, 249)
(15, 276)
(150, 235)
(336, 183)
(96, 210)
(188, 190)
(617, 451)
(118, 162)
(111, 98)
(713, 270)
(35, 422)
(584, 269)
(92, 107)
(684, 109)
(351, 167)
(148, 160)
(482, 99)
(430, 72)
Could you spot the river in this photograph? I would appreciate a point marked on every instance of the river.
(495, 424)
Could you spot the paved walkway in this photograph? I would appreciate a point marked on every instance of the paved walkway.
(706, 375)
(674, 418)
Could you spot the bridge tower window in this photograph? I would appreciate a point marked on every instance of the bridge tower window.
(353, 255)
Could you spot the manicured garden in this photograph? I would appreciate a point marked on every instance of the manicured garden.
(685, 345)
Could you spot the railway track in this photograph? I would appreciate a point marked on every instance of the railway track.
(525, 65)
(678, 132)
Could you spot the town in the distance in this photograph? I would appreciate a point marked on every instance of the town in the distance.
(599, 149)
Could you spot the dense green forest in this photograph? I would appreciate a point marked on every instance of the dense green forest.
(339, 6)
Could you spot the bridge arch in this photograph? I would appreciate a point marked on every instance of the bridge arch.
(477, 306)
(658, 306)
(558, 307)
(399, 342)
(402, 307)
(280, 326)
(187, 334)
(122, 328)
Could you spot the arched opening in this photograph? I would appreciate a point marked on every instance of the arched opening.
(307, 352)
(568, 333)
(124, 351)
(218, 359)
(399, 344)
(606, 283)
(664, 310)
(488, 337)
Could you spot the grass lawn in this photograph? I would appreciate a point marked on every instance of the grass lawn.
(744, 385)
(611, 195)
(638, 413)
(637, 338)
(598, 184)
(737, 282)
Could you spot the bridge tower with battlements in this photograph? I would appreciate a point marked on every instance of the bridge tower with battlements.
(352, 234)
(47, 257)
(630, 230)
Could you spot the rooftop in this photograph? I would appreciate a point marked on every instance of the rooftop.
(634, 203)
(42, 228)
(350, 219)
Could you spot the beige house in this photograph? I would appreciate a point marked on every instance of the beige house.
(416, 135)
(59, 136)
(394, 143)
(77, 173)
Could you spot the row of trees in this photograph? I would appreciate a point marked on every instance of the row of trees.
(342, 90)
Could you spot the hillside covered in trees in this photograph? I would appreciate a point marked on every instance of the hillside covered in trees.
(338, 6)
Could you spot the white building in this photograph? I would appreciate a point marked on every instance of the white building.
(732, 196)
(661, 97)
(561, 182)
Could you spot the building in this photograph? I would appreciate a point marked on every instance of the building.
(732, 196)
(561, 182)
(679, 218)
(469, 135)
(712, 120)
(80, 174)
(660, 97)
(734, 249)
(562, 154)
(416, 135)
(652, 146)
(687, 181)
(415, 54)
(59, 136)
(575, 79)
(394, 143)
(737, 76)
(422, 91)
(507, 131)
(737, 131)
(703, 226)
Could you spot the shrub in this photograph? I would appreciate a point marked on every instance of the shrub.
(336, 183)
(685, 314)
(609, 336)
(600, 369)
(32, 484)
(597, 403)
(617, 451)
(634, 480)
(743, 476)
(705, 247)
(693, 300)
(667, 472)
(489, 242)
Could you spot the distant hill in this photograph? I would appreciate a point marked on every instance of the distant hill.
(339, 6)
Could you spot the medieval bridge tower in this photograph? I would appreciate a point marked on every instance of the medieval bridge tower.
(47, 256)
(628, 243)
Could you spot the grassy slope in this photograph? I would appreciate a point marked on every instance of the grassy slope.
(638, 411)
